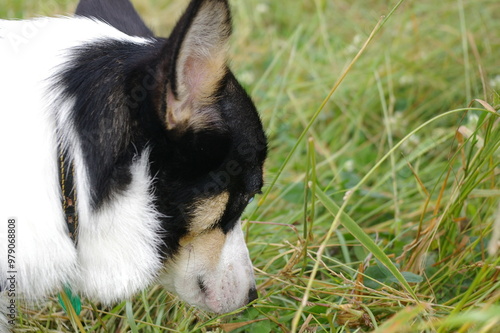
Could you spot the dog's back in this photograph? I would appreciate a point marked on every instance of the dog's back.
(118, 13)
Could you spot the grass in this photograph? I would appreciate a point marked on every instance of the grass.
(385, 217)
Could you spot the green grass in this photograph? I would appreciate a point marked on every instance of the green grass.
(385, 217)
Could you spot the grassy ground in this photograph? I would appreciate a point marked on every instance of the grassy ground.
(382, 205)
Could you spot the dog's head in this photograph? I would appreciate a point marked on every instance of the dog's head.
(208, 160)
(203, 137)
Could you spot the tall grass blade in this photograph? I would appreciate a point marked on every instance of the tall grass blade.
(364, 239)
(130, 317)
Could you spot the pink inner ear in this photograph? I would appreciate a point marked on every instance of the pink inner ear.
(201, 75)
(195, 77)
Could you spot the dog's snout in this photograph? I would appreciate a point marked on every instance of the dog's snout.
(252, 295)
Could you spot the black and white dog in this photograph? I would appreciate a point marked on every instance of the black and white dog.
(166, 149)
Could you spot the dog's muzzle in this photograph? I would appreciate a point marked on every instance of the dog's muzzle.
(213, 271)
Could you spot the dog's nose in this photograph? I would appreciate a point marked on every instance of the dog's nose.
(252, 295)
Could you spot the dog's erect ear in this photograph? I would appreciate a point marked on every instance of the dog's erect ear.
(198, 64)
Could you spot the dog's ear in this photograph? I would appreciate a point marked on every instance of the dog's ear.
(198, 64)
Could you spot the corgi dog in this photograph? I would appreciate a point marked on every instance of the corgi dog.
(128, 159)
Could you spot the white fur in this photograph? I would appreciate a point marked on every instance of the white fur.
(229, 284)
(117, 247)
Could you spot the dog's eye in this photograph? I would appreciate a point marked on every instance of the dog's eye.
(253, 197)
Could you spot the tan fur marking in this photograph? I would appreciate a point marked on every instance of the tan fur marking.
(206, 247)
(208, 212)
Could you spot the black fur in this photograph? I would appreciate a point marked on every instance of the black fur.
(120, 94)
(118, 13)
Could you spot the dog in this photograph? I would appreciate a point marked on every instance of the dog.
(128, 159)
